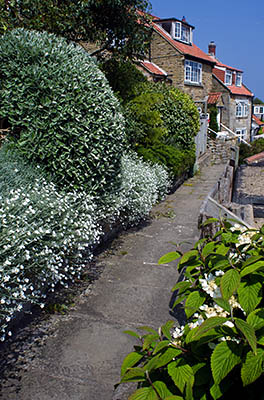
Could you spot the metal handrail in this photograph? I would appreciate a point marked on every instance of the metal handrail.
(234, 134)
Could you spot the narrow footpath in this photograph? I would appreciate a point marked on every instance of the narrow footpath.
(81, 358)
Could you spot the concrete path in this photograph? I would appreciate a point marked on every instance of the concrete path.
(81, 359)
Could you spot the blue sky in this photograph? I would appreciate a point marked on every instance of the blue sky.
(236, 27)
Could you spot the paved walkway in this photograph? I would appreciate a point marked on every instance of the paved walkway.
(81, 359)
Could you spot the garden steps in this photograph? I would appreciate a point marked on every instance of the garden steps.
(81, 358)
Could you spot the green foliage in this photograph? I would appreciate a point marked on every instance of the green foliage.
(177, 161)
(213, 118)
(112, 24)
(218, 352)
(61, 110)
(246, 151)
(257, 101)
(178, 112)
(122, 77)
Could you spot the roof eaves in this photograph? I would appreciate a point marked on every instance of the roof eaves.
(164, 34)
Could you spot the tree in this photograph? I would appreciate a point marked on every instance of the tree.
(115, 25)
(257, 101)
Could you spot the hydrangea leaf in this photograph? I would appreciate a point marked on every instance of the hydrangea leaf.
(224, 358)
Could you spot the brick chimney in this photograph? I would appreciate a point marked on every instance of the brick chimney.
(211, 49)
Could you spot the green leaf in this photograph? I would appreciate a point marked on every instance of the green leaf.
(148, 329)
(182, 286)
(224, 358)
(174, 398)
(256, 318)
(207, 325)
(132, 333)
(134, 375)
(180, 372)
(166, 329)
(251, 260)
(172, 256)
(229, 283)
(252, 368)
(208, 248)
(249, 333)
(149, 341)
(222, 249)
(130, 360)
(193, 302)
(161, 345)
(189, 256)
(146, 393)
(210, 221)
(223, 303)
(249, 294)
(252, 268)
(168, 356)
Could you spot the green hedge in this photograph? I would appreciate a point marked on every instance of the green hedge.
(246, 151)
(61, 110)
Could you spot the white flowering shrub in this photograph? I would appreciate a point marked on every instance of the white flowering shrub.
(44, 235)
(47, 236)
(218, 351)
(61, 110)
(142, 185)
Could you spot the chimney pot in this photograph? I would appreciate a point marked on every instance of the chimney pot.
(212, 48)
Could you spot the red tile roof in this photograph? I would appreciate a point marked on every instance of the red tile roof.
(256, 158)
(213, 97)
(219, 64)
(189, 50)
(219, 73)
(153, 68)
(257, 120)
(240, 90)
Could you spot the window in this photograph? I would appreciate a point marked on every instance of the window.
(256, 110)
(238, 79)
(261, 110)
(177, 30)
(228, 78)
(182, 32)
(242, 133)
(193, 72)
(242, 109)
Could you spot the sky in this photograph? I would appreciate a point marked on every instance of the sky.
(236, 27)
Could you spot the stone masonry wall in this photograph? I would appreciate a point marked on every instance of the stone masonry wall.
(220, 150)
(225, 113)
(240, 122)
(171, 60)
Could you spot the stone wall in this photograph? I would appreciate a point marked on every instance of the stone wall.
(171, 60)
(220, 149)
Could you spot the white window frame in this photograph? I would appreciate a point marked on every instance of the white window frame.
(178, 30)
(228, 74)
(256, 110)
(238, 79)
(242, 133)
(190, 70)
(261, 109)
(242, 109)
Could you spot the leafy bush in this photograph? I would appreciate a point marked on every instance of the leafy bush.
(122, 77)
(43, 235)
(246, 151)
(177, 161)
(213, 124)
(61, 110)
(178, 113)
(218, 351)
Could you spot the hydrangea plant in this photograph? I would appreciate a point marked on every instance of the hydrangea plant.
(217, 352)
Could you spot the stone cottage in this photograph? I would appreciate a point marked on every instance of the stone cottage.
(235, 110)
(186, 66)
